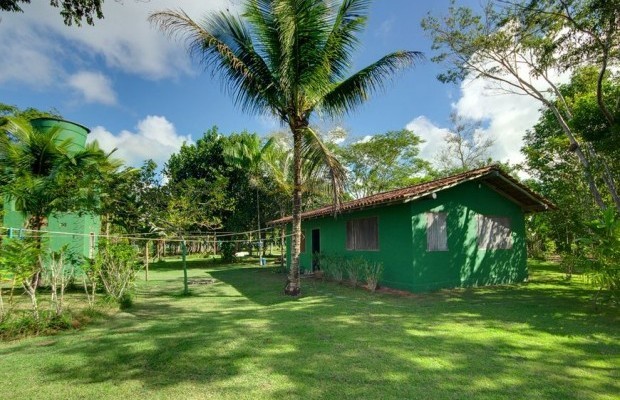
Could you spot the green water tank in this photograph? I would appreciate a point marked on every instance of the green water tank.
(69, 130)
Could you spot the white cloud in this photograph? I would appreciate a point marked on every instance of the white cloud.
(430, 133)
(124, 39)
(94, 87)
(154, 138)
(25, 58)
(365, 139)
(506, 116)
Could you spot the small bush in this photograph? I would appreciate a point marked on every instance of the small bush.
(228, 252)
(355, 270)
(117, 265)
(333, 266)
(373, 272)
(126, 301)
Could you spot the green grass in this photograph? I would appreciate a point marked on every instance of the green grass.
(240, 338)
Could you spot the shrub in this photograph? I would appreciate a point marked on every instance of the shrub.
(20, 259)
(373, 272)
(126, 301)
(355, 270)
(228, 252)
(600, 254)
(117, 264)
(333, 266)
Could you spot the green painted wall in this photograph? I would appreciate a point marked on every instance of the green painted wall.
(403, 243)
(82, 224)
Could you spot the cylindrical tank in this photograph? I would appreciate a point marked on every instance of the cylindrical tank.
(69, 130)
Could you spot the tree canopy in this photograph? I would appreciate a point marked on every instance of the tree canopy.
(72, 11)
(290, 58)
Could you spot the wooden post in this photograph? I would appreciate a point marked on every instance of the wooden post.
(146, 260)
(184, 250)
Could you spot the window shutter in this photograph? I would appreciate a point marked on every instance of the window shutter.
(436, 232)
(494, 232)
(363, 234)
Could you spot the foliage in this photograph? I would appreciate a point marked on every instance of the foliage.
(59, 271)
(600, 253)
(333, 266)
(20, 258)
(355, 270)
(206, 164)
(227, 250)
(290, 58)
(464, 147)
(517, 51)
(383, 162)
(553, 167)
(7, 110)
(43, 175)
(90, 273)
(373, 272)
(134, 200)
(72, 11)
(117, 264)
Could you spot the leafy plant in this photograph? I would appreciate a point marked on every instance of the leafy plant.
(601, 254)
(117, 266)
(227, 249)
(90, 278)
(59, 271)
(355, 270)
(21, 258)
(373, 272)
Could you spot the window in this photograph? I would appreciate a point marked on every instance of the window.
(363, 234)
(436, 232)
(494, 233)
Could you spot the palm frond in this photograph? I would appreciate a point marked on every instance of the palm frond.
(342, 41)
(320, 161)
(352, 92)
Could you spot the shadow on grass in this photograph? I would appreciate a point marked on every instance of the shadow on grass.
(240, 337)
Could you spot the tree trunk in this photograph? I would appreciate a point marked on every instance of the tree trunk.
(576, 148)
(293, 286)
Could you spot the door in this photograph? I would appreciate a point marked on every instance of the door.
(316, 249)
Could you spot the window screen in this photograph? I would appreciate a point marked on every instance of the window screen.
(363, 234)
(436, 232)
(494, 233)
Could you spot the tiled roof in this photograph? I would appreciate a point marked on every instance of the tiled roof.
(492, 175)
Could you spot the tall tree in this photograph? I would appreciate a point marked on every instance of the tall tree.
(464, 147)
(498, 46)
(289, 58)
(250, 154)
(384, 162)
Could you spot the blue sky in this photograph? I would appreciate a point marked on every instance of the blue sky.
(139, 91)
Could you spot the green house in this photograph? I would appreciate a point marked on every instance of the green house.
(78, 231)
(463, 230)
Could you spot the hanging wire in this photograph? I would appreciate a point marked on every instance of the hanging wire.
(176, 239)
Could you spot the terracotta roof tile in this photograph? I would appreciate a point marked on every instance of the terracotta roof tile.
(491, 175)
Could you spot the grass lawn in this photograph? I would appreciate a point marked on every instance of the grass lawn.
(240, 338)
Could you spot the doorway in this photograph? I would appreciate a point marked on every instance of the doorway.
(316, 249)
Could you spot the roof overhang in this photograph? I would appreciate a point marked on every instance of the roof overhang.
(492, 176)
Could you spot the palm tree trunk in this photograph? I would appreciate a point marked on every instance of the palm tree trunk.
(293, 286)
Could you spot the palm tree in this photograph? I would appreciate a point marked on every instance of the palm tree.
(43, 175)
(251, 155)
(289, 58)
